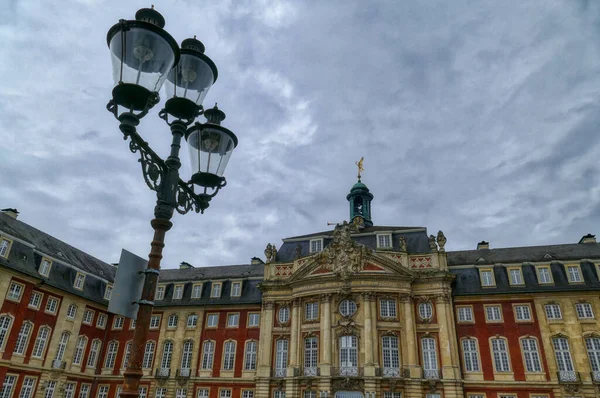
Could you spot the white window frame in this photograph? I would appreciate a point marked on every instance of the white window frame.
(311, 311)
(465, 314)
(316, 245)
(522, 313)
(387, 308)
(71, 311)
(575, 276)
(101, 321)
(196, 290)
(172, 321)
(553, 311)
(531, 355)
(88, 317)
(487, 277)
(215, 289)
(149, 351)
(108, 291)
(5, 245)
(208, 355)
(95, 349)
(384, 241)
(6, 322)
(15, 292)
(160, 292)
(584, 310)
(500, 355)
(229, 348)
(118, 323)
(35, 300)
(210, 318)
(52, 309)
(45, 267)
(283, 315)
(39, 347)
(23, 338)
(542, 280)
(154, 322)
(236, 292)
(251, 316)
(233, 320)
(493, 313)
(515, 276)
(250, 355)
(111, 354)
(470, 349)
(192, 321)
(79, 351)
(425, 310)
(178, 292)
(79, 282)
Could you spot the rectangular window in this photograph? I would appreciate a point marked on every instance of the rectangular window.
(500, 354)
(316, 245)
(14, 292)
(88, 317)
(212, 320)
(522, 312)
(52, 305)
(8, 386)
(225, 394)
(516, 276)
(161, 392)
(71, 311)
(40, 342)
(50, 387)
(250, 357)
(584, 311)
(465, 314)
(27, 388)
(544, 275)
(487, 277)
(470, 355)
(181, 393)
(493, 313)
(172, 321)
(432, 395)
(311, 354)
(476, 396)
(35, 300)
(233, 320)
(101, 322)
(160, 293)
(202, 393)
(23, 338)
(253, 319)
(388, 394)
(79, 281)
(154, 321)
(178, 292)
(197, 290)
(574, 274)
(84, 391)
(118, 322)
(108, 291)
(311, 311)
(132, 324)
(391, 356)
(102, 392)
(69, 390)
(277, 394)
(4, 247)
(45, 266)
(553, 311)
(192, 321)
(564, 360)
(228, 355)
(236, 289)
(531, 354)
(387, 308)
(247, 393)
(384, 241)
(215, 291)
(310, 394)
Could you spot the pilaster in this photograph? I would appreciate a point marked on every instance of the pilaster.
(325, 345)
(367, 334)
(410, 335)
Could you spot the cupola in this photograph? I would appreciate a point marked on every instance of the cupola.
(360, 202)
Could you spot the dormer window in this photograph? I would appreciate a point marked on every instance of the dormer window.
(160, 293)
(215, 291)
(384, 241)
(574, 274)
(236, 289)
(178, 292)
(79, 280)
(108, 291)
(45, 266)
(5, 247)
(196, 290)
(316, 245)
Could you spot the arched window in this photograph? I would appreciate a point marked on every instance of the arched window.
(470, 355)
(5, 322)
(167, 354)
(186, 356)
(430, 368)
(79, 350)
(310, 356)
(500, 354)
(281, 357)
(71, 311)
(564, 361)
(126, 354)
(251, 349)
(391, 357)
(425, 310)
(349, 356)
(531, 355)
(148, 355)
(40, 342)
(111, 355)
(94, 352)
(62, 346)
(23, 338)
(208, 355)
(593, 348)
(229, 355)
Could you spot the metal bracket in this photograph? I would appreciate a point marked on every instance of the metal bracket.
(143, 302)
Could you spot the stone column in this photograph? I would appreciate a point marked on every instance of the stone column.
(374, 334)
(446, 362)
(410, 335)
(294, 335)
(325, 342)
(367, 331)
(266, 340)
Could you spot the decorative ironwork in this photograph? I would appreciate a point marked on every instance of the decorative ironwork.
(431, 374)
(347, 371)
(278, 372)
(568, 376)
(56, 364)
(311, 371)
(390, 372)
(596, 377)
(162, 373)
(183, 373)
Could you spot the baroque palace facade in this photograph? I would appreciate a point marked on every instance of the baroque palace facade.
(362, 311)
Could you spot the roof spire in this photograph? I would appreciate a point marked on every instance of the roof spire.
(360, 200)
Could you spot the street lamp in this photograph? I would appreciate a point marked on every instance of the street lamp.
(144, 56)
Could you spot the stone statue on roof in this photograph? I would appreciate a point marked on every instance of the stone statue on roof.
(268, 253)
(441, 240)
(432, 244)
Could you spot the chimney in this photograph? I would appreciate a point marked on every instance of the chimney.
(10, 212)
(256, 261)
(483, 245)
(589, 238)
(185, 265)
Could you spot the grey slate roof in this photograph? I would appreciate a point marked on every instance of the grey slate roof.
(564, 252)
(205, 273)
(416, 241)
(56, 248)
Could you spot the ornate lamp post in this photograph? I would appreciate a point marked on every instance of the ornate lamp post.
(144, 56)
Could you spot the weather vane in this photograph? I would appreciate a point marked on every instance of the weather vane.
(359, 164)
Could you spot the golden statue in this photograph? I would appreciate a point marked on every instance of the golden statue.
(359, 164)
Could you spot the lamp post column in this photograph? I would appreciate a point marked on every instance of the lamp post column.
(163, 212)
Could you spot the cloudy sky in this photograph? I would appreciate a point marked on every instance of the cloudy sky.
(479, 118)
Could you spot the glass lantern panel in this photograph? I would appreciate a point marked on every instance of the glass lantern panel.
(191, 79)
(210, 150)
(147, 58)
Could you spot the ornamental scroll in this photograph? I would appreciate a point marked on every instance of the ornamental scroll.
(343, 256)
